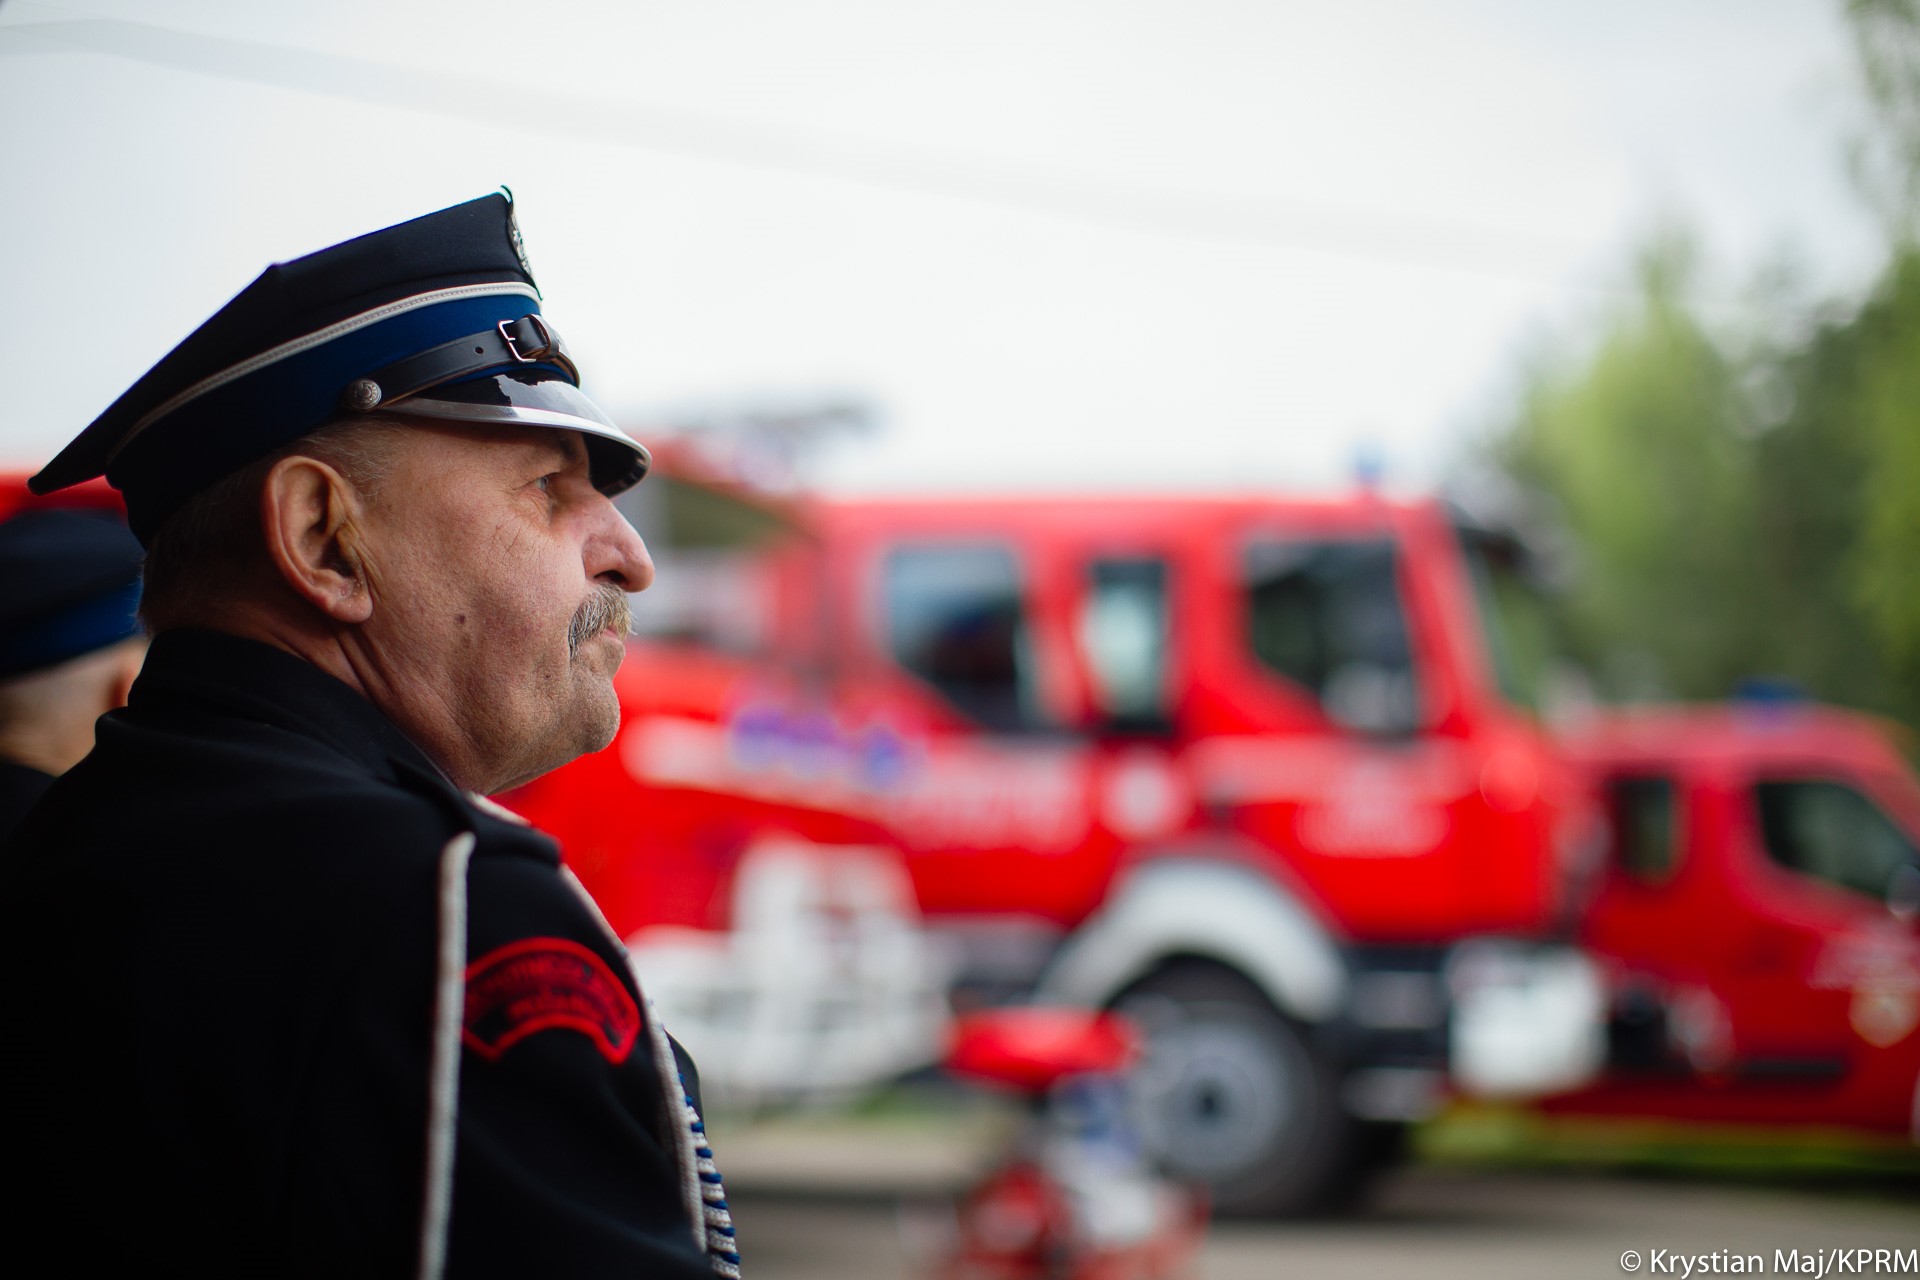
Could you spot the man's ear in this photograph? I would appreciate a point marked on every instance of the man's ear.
(312, 522)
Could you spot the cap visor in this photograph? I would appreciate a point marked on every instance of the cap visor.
(619, 461)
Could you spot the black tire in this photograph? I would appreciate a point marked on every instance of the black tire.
(1238, 1098)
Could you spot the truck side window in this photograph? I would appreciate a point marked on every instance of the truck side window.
(1327, 616)
(1646, 842)
(953, 617)
(1123, 633)
(1831, 832)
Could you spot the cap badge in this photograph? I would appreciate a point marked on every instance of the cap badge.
(361, 395)
(519, 245)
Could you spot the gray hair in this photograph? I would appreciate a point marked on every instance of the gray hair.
(208, 551)
(605, 606)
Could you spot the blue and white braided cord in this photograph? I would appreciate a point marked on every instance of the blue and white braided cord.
(722, 1248)
(710, 1198)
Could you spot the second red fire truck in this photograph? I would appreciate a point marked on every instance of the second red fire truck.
(1759, 917)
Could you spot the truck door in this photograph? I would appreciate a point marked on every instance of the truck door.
(1662, 910)
(996, 809)
(1322, 752)
(1827, 975)
(1127, 635)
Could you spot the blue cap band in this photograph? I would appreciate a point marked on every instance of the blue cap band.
(227, 426)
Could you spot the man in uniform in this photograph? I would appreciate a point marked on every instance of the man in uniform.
(294, 999)
(70, 643)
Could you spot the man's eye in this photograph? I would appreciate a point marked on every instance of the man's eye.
(545, 482)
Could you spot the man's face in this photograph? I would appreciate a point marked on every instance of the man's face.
(485, 548)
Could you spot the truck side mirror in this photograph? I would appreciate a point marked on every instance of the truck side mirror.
(1903, 892)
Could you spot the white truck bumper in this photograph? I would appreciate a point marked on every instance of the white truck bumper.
(1527, 1019)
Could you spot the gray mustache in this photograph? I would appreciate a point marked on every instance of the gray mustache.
(606, 607)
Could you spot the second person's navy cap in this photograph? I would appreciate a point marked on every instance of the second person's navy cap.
(69, 584)
(435, 318)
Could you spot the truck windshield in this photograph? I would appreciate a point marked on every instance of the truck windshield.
(1327, 615)
(1513, 617)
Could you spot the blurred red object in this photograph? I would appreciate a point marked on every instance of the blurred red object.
(1075, 1198)
(1030, 1049)
(95, 494)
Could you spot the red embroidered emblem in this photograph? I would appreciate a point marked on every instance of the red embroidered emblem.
(540, 983)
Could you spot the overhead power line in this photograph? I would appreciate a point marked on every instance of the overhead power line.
(1095, 200)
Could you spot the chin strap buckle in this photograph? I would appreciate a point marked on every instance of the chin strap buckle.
(529, 340)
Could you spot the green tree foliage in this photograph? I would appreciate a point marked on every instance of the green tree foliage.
(1646, 449)
(1739, 510)
(1886, 41)
(1821, 473)
(1859, 385)
(1884, 401)
(1750, 507)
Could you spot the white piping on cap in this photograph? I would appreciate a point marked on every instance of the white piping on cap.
(317, 338)
(443, 1096)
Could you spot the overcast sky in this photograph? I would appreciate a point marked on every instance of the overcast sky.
(1056, 242)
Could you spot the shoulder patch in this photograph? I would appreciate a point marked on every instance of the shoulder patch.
(538, 984)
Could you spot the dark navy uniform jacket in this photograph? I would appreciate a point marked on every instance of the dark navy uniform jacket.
(219, 940)
(20, 789)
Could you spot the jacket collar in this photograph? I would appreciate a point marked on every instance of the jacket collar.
(222, 672)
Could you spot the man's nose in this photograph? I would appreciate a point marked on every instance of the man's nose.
(615, 552)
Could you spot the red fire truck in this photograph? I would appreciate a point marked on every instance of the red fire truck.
(1758, 915)
(1258, 773)
(1245, 769)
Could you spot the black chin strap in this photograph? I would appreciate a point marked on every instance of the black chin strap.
(528, 340)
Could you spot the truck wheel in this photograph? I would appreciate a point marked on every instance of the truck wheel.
(1234, 1096)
